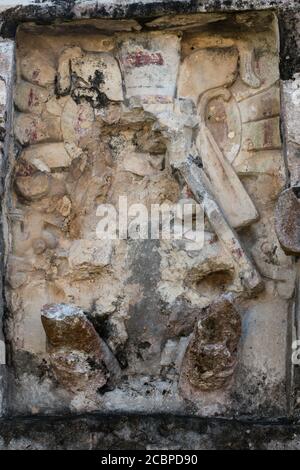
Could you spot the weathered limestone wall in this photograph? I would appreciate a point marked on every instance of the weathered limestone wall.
(6, 91)
(77, 127)
(149, 309)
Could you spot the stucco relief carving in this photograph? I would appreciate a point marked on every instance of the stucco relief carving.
(158, 116)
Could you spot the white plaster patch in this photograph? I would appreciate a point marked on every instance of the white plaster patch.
(2, 353)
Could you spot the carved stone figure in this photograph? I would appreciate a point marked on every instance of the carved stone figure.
(189, 113)
(211, 356)
(80, 359)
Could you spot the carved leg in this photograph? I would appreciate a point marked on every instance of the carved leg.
(198, 183)
(226, 186)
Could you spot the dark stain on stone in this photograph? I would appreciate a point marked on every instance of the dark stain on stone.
(91, 92)
(147, 325)
(96, 98)
(96, 365)
(60, 10)
(2, 134)
(40, 13)
(98, 79)
(30, 364)
(289, 26)
(101, 324)
(167, 431)
(296, 191)
(104, 389)
(122, 358)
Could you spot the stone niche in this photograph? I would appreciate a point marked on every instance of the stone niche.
(181, 108)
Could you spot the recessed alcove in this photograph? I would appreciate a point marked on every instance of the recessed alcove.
(95, 102)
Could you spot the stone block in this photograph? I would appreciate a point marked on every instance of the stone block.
(37, 69)
(7, 64)
(33, 187)
(206, 69)
(291, 106)
(291, 116)
(287, 220)
(198, 122)
(32, 129)
(47, 157)
(75, 349)
(261, 135)
(211, 355)
(89, 256)
(30, 98)
(150, 65)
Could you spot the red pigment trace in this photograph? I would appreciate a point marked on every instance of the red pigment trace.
(141, 58)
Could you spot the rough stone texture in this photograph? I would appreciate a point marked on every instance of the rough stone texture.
(145, 432)
(288, 231)
(149, 70)
(6, 80)
(291, 106)
(287, 214)
(288, 221)
(210, 358)
(289, 23)
(81, 140)
(80, 361)
(146, 317)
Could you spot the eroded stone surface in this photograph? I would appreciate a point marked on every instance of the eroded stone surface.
(291, 100)
(76, 352)
(150, 63)
(94, 76)
(199, 73)
(211, 356)
(138, 114)
(47, 156)
(88, 256)
(37, 69)
(288, 220)
(7, 56)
